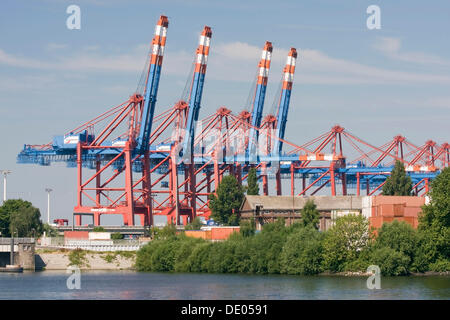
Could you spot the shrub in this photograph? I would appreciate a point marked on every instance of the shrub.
(398, 236)
(390, 261)
(116, 236)
(302, 252)
(440, 265)
(345, 241)
(196, 224)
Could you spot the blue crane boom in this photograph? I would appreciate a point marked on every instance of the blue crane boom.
(195, 96)
(152, 83)
(258, 102)
(283, 107)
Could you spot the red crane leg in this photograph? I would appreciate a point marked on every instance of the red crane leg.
(79, 181)
(367, 186)
(278, 178)
(129, 187)
(192, 183)
(98, 184)
(292, 180)
(264, 178)
(344, 184)
(332, 180)
(239, 173)
(78, 220)
(146, 190)
(216, 175)
(96, 219)
(358, 184)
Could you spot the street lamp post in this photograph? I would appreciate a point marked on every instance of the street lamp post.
(5, 173)
(48, 190)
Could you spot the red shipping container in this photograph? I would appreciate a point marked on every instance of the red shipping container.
(76, 235)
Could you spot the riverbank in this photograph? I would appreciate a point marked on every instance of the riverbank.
(85, 260)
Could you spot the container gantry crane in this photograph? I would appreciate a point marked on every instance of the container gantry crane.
(128, 149)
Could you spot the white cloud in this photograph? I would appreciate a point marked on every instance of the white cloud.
(391, 47)
(234, 61)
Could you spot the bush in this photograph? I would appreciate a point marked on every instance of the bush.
(345, 241)
(440, 265)
(98, 229)
(116, 236)
(247, 228)
(302, 252)
(398, 236)
(196, 224)
(390, 261)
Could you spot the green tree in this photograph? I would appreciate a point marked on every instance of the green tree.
(21, 217)
(116, 236)
(98, 229)
(390, 261)
(399, 236)
(310, 214)
(248, 228)
(345, 241)
(302, 252)
(398, 184)
(433, 250)
(395, 248)
(225, 206)
(252, 181)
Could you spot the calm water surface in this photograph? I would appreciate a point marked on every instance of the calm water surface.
(134, 285)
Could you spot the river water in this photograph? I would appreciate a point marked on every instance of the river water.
(135, 285)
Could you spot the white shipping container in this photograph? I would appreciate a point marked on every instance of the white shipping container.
(99, 235)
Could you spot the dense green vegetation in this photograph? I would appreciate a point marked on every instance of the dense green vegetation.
(252, 183)
(399, 183)
(310, 214)
(301, 249)
(20, 217)
(225, 205)
(196, 224)
(116, 236)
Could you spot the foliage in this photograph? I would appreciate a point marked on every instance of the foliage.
(310, 214)
(166, 232)
(399, 183)
(116, 236)
(98, 229)
(390, 261)
(298, 249)
(49, 230)
(344, 242)
(196, 224)
(440, 265)
(433, 248)
(247, 228)
(78, 258)
(21, 217)
(399, 236)
(252, 183)
(302, 252)
(226, 204)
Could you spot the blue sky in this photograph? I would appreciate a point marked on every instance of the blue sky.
(375, 83)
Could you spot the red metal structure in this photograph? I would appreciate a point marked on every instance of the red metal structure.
(167, 164)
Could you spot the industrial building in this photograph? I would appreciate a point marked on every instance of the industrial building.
(377, 209)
